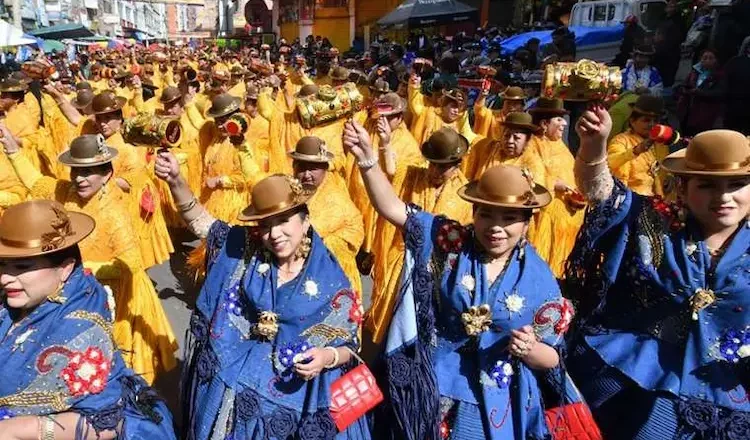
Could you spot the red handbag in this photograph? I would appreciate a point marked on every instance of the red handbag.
(353, 394)
(572, 422)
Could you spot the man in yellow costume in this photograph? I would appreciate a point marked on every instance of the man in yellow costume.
(141, 330)
(451, 113)
(397, 150)
(132, 171)
(557, 225)
(512, 149)
(332, 213)
(488, 122)
(633, 157)
(434, 189)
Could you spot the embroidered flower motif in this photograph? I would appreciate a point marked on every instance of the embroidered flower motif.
(311, 288)
(553, 317)
(291, 353)
(6, 414)
(22, 338)
(263, 268)
(735, 345)
(669, 211)
(445, 430)
(468, 282)
(502, 373)
(87, 372)
(232, 300)
(690, 248)
(451, 236)
(514, 303)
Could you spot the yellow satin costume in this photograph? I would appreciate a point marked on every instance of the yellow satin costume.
(415, 188)
(152, 234)
(339, 223)
(12, 190)
(61, 132)
(407, 154)
(639, 173)
(141, 330)
(488, 153)
(428, 119)
(23, 122)
(556, 225)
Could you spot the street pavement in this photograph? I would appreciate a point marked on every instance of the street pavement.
(178, 292)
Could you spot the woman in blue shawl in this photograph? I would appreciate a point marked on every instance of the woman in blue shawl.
(63, 377)
(479, 315)
(663, 293)
(274, 323)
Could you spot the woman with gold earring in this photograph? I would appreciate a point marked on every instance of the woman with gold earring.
(664, 299)
(68, 380)
(141, 328)
(275, 321)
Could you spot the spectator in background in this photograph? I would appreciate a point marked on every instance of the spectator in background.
(530, 52)
(563, 45)
(737, 90)
(633, 35)
(639, 76)
(668, 38)
(700, 101)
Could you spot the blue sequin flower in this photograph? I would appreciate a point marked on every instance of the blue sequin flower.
(735, 345)
(287, 352)
(6, 414)
(232, 300)
(502, 372)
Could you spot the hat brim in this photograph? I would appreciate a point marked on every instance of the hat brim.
(81, 224)
(328, 157)
(250, 214)
(642, 111)
(224, 111)
(549, 111)
(641, 52)
(66, 159)
(172, 99)
(542, 197)
(464, 152)
(530, 127)
(74, 102)
(119, 104)
(676, 164)
(14, 89)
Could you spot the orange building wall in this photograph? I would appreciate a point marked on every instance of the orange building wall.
(171, 19)
(334, 24)
(290, 31)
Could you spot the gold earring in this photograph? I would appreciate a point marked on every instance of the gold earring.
(303, 250)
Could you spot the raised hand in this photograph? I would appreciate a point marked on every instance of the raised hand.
(167, 168)
(594, 125)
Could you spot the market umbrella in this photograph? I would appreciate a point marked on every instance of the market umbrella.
(12, 36)
(423, 13)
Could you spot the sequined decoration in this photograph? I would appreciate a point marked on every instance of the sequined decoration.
(700, 300)
(268, 325)
(477, 319)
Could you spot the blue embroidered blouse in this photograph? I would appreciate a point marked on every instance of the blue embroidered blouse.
(63, 359)
(431, 356)
(239, 381)
(654, 307)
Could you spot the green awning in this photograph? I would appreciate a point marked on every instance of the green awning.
(62, 31)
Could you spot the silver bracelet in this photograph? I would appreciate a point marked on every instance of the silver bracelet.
(336, 358)
(365, 165)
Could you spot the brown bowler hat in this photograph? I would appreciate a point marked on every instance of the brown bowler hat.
(13, 85)
(308, 90)
(520, 121)
(251, 92)
(712, 153)
(107, 102)
(549, 107)
(223, 105)
(445, 146)
(514, 94)
(83, 85)
(40, 227)
(170, 94)
(122, 73)
(457, 95)
(311, 149)
(340, 73)
(88, 150)
(648, 105)
(380, 85)
(274, 195)
(389, 104)
(83, 99)
(508, 187)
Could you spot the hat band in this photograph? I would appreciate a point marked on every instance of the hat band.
(97, 158)
(313, 157)
(278, 207)
(23, 244)
(526, 199)
(729, 166)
